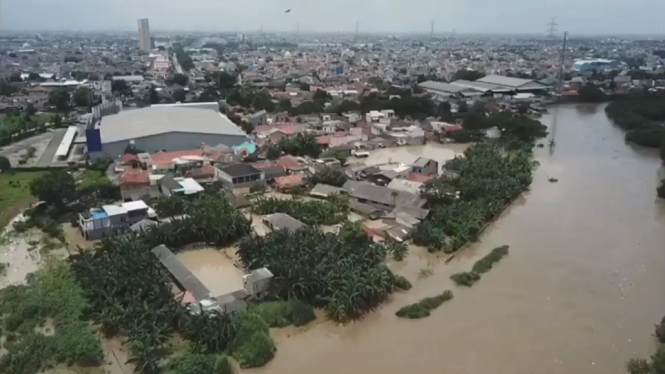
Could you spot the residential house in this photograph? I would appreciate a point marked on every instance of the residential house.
(425, 166)
(283, 221)
(381, 197)
(259, 118)
(179, 186)
(112, 219)
(239, 175)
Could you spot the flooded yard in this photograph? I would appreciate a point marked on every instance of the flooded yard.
(409, 154)
(579, 292)
(214, 269)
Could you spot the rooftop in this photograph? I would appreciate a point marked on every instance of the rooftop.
(138, 123)
(239, 170)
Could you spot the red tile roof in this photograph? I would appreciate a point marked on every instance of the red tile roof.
(323, 140)
(134, 177)
(415, 177)
(288, 181)
(206, 171)
(166, 158)
(128, 158)
(286, 128)
(289, 163)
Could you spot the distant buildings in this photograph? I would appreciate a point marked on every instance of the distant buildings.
(145, 41)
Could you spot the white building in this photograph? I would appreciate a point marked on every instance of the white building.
(145, 41)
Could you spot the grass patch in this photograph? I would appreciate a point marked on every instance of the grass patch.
(253, 346)
(423, 308)
(467, 278)
(15, 194)
(284, 313)
(485, 264)
(52, 292)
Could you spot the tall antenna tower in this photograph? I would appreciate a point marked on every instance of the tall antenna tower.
(357, 28)
(432, 28)
(551, 27)
(563, 56)
(297, 28)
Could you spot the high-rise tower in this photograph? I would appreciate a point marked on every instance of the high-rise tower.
(145, 41)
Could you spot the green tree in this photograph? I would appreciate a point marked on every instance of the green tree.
(59, 98)
(55, 188)
(180, 79)
(247, 127)
(333, 177)
(475, 121)
(81, 97)
(661, 190)
(590, 93)
(226, 81)
(132, 150)
(56, 120)
(5, 165)
(179, 95)
(6, 88)
(30, 109)
(444, 111)
(273, 152)
(662, 149)
(321, 95)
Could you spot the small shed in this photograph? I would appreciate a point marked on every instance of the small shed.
(283, 221)
(324, 190)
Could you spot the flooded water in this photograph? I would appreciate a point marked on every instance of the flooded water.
(408, 155)
(580, 291)
(214, 269)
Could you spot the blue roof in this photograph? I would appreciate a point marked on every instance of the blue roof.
(99, 215)
(249, 147)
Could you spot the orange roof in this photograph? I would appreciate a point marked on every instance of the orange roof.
(415, 177)
(286, 128)
(323, 140)
(133, 177)
(166, 158)
(289, 180)
(289, 163)
(128, 158)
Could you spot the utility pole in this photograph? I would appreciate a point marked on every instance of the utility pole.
(551, 27)
(563, 56)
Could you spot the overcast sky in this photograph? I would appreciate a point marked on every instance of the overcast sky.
(466, 16)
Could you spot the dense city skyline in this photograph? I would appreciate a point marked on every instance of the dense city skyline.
(480, 16)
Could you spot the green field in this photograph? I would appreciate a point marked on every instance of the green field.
(15, 194)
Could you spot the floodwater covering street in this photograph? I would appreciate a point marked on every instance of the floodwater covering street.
(579, 292)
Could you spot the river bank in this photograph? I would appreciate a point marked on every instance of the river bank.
(580, 292)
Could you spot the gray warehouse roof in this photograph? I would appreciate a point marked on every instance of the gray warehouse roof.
(509, 81)
(139, 123)
(442, 87)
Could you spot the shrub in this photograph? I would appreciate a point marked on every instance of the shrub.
(485, 264)
(467, 278)
(660, 331)
(402, 283)
(285, 313)
(253, 346)
(197, 363)
(423, 308)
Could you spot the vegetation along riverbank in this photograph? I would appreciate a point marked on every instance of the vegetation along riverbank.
(423, 308)
(481, 266)
(473, 191)
(656, 363)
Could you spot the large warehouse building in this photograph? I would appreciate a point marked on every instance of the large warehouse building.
(488, 85)
(175, 127)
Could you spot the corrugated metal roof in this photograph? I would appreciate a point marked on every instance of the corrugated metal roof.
(504, 81)
(138, 123)
(440, 86)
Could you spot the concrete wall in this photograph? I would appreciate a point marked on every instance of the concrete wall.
(175, 141)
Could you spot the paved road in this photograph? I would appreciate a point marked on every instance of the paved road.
(25, 143)
(48, 154)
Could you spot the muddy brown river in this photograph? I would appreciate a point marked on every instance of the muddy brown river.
(580, 291)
